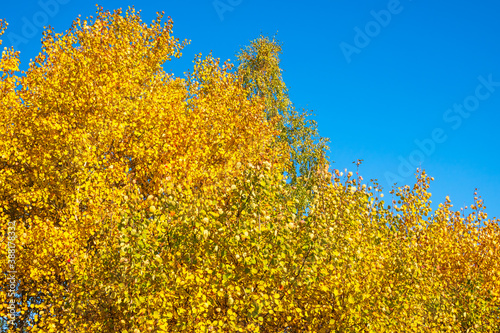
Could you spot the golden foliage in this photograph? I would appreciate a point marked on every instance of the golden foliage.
(145, 202)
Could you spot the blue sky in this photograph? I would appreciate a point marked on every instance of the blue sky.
(399, 84)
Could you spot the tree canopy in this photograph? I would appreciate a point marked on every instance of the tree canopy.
(147, 202)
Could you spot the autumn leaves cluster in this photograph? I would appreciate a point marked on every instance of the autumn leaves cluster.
(146, 202)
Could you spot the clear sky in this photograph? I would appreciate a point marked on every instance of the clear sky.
(399, 84)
